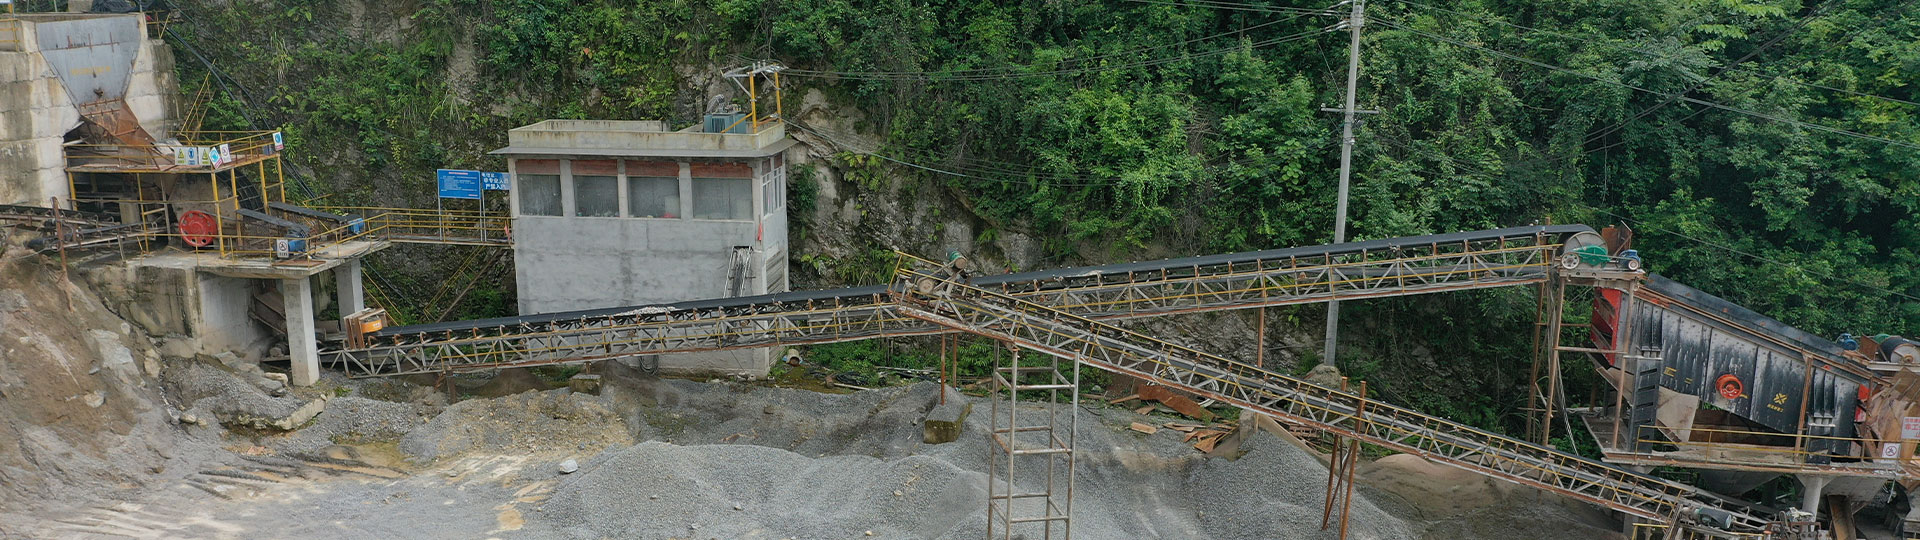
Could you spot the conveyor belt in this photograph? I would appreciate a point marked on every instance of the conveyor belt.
(1391, 267)
(1015, 283)
(94, 237)
(40, 214)
(1111, 348)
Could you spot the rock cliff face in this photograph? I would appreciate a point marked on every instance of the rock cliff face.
(80, 406)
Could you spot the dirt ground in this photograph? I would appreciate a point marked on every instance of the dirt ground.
(107, 439)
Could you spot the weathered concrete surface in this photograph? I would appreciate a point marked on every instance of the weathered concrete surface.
(563, 264)
(35, 110)
(944, 421)
(569, 262)
(192, 313)
(347, 288)
(303, 349)
(638, 137)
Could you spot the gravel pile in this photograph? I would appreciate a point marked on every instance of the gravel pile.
(238, 399)
(554, 420)
(658, 490)
(351, 420)
(880, 423)
(733, 471)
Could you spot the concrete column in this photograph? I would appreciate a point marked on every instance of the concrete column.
(350, 296)
(566, 188)
(686, 190)
(1812, 489)
(620, 183)
(513, 189)
(302, 349)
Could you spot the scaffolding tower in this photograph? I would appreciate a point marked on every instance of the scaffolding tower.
(1040, 451)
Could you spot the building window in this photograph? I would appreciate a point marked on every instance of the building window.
(723, 198)
(539, 194)
(722, 191)
(653, 196)
(596, 196)
(779, 181)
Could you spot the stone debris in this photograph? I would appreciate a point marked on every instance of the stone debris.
(568, 466)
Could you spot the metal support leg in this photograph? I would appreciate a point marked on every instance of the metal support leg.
(1345, 460)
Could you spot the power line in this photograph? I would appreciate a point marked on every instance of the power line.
(945, 76)
(1802, 23)
(1240, 6)
(1677, 97)
(984, 169)
(1015, 69)
(1477, 170)
(1654, 54)
(950, 171)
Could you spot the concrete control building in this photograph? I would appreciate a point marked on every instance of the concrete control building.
(628, 213)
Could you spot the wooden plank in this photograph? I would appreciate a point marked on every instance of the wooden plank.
(1202, 434)
(1143, 410)
(1177, 402)
(1206, 444)
(1143, 428)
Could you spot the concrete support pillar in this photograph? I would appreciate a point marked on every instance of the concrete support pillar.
(1812, 489)
(1912, 520)
(302, 349)
(346, 279)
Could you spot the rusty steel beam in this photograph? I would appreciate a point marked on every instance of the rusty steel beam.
(1111, 348)
(1371, 270)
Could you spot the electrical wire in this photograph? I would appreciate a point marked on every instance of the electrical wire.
(950, 171)
(988, 168)
(956, 76)
(1769, 43)
(1478, 171)
(1016, 69)
(1678, 97)
(1663, 56)
(1242, 6)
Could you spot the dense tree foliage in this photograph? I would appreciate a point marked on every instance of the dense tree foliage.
(1120, 127)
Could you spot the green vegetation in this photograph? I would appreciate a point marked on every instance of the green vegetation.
(1112, 129)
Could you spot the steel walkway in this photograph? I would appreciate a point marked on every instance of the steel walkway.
(1056, 332)
(1379, 268)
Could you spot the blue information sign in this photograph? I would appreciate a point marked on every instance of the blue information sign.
(457, 184)
(494, 181)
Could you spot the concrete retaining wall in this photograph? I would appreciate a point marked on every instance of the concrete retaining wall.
(35, 111)
(190, 312)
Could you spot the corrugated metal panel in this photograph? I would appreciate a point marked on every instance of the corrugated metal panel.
(1777, 388)
(1696, 351)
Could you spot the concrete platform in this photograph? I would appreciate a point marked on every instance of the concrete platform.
(320, 260)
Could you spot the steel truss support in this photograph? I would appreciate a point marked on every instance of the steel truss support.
(1547, 394)
(1340, 469)
(1030, 464)
(1499, 259)
(1111, 348)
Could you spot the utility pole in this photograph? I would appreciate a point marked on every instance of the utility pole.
(1355, 20)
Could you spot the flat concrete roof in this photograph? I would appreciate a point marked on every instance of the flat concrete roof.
(640, 138)
(644, 152)
(322, 260)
